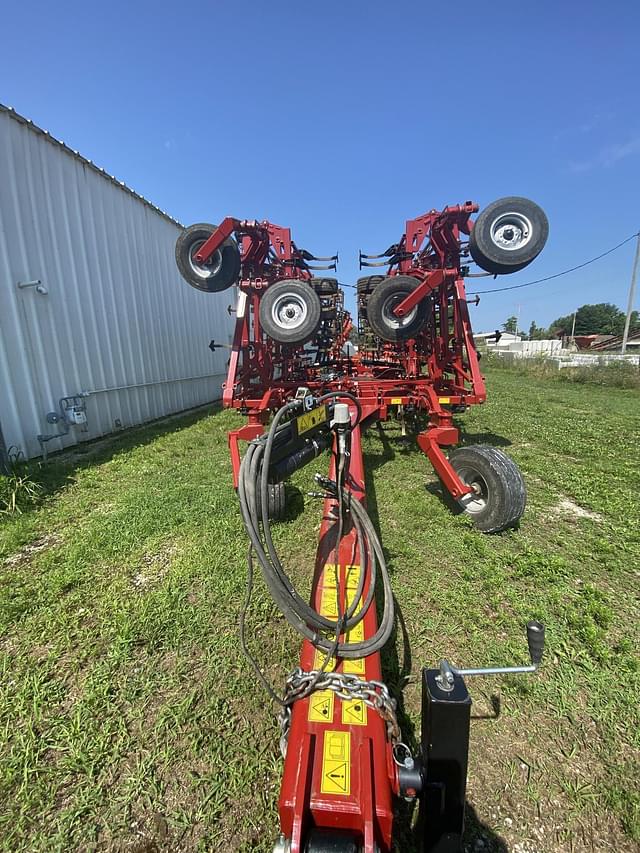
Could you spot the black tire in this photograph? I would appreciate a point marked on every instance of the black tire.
(502, 495)
(290, 311)
(366, 284)
(277, 504)
(324, 286)
(386, 295)
(508, 234)
(223, 269)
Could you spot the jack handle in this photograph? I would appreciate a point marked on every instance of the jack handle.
(535, 641)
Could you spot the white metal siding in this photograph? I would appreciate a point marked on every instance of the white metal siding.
(117, 314)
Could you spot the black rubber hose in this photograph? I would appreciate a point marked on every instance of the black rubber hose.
(297, 612)
(304, 610)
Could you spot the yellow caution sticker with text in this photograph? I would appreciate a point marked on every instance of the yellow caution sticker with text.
(336, 763)
(356, 634)
(311, 419)
(396, 401)
(354, 667)
(352, 576)
(329, 575)
(354, 713)
(321, 706)
(329, 602)
(444, 400)
(319, 659)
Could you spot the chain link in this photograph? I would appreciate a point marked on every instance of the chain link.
(375, 694)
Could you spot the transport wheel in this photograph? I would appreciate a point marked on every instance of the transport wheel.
(500, 494)
(508, 235)
(219, 273)
(324, 286)
(277, 501)
(290, 312)
(385, 297)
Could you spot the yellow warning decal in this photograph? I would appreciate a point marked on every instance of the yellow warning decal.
(311, 419)
(444, 400)
(321, 707)
(319, 658)
(356, 634)
(336, 763)
(329, 602)
(354, 667)
(396, 401)
(354, 713)
(352, 576)
(329, 575)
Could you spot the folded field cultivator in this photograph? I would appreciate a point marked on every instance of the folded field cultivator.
(303, 392)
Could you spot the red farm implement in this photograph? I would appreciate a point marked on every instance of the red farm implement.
(293, 374)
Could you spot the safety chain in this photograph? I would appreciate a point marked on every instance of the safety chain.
(375, 694)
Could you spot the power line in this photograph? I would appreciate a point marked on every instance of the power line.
(546, 278)
(558, 274)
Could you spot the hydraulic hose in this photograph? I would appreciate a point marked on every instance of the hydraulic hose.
(322, 632)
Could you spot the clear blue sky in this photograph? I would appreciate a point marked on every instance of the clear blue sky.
(343, 119)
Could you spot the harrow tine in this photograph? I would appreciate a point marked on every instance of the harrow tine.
(309, 257)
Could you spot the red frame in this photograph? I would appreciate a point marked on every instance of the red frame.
(434, 374)
(367, 808)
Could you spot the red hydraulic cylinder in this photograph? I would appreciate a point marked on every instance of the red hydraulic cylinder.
(339, 771)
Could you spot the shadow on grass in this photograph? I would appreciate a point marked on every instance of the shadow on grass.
(61, 467)
(491, 438)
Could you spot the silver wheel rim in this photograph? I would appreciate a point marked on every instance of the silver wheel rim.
(289, 311)
(477, 502)
(391, 320)
(208, 270)
(511, 231)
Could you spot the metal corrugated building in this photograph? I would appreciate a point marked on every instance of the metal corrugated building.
(111, 315)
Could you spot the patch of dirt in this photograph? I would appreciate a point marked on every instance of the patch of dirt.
(154, 567)
(25, 554)
(569, 508)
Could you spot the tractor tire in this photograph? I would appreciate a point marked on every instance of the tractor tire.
(386, 295)
(324, 286)
(508, 235)
(219, 273)
(365, 285)
(501, 494)
(290, 311)
(277, 503)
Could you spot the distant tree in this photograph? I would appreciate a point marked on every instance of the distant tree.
(603, 318)
(537, 333)
(511, 325)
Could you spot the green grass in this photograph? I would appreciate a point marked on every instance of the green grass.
(130, 722)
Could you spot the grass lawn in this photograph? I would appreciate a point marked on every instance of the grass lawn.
(130, 721)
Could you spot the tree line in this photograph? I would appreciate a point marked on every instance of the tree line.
(604, 318)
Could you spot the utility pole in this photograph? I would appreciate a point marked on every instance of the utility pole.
(632, 295)
(573, 325)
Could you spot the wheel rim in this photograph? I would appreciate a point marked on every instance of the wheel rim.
(478, 501)
(289, 311)
(391, 320)
(511, 231)
(208, 270)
